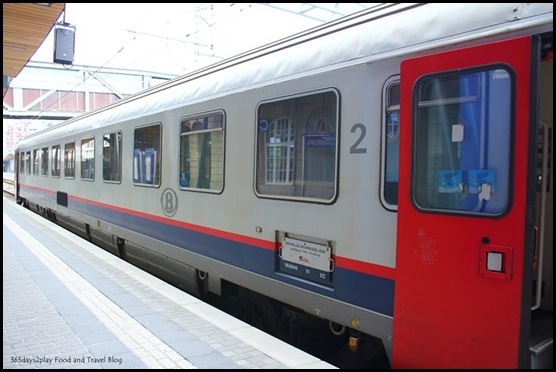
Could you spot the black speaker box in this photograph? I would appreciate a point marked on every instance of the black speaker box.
(64, 44)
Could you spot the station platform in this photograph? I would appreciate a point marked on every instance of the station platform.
(69, 304)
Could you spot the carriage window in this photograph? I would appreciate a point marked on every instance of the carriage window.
(69, 160)
(112, 157)
(146, 156)
(56, 160)
(28, 162)
(36, 162)
(22, 163)
(88, 158)
(297, 147)
(44, 161)
(202, 152)
(391, 143)
(463, 129)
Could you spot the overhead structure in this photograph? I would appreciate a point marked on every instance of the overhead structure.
(25, 26)
(323, 12)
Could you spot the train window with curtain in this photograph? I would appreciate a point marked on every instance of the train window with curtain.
(202, 152)
(69, 160)
(36, 155)
(391, 143)
(44, 161)
(28, 162)
(297, 147)
(463, 131)
(146, 155)
(56, 160)
(88, 159)
(112, 157)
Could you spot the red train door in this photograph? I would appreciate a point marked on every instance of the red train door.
(463, 231)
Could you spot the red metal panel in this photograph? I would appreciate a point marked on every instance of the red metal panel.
(446, 314)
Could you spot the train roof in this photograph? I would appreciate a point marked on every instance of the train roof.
(379, 32)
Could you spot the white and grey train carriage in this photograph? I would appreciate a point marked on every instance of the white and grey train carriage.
(389, 172)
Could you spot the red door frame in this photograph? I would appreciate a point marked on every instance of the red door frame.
(447, 315)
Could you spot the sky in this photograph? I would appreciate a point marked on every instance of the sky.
(170, 38)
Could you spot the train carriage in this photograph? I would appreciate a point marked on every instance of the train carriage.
(389, 173)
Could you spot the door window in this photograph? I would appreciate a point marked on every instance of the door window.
(463, 132)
